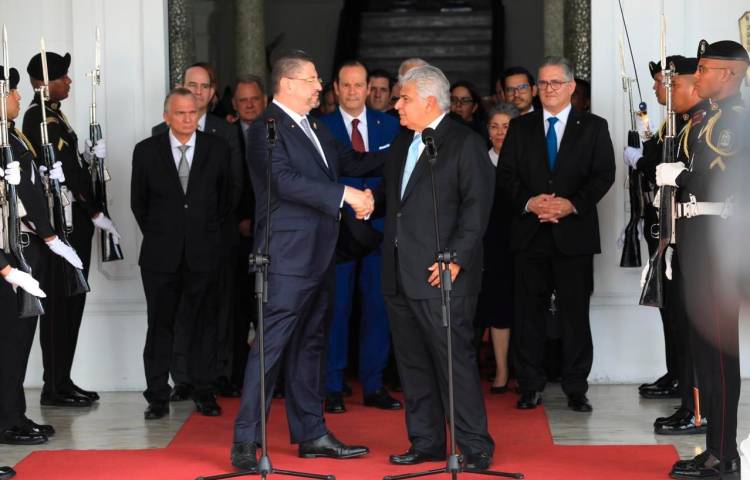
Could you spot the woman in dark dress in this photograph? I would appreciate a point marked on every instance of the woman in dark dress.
(495, 306)
(466, 106)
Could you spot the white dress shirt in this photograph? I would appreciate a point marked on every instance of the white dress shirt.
(493, 156)
(202, 123)
(362, 127)
(562, 120)
(298, 120)
(433, 125)
(177, 154)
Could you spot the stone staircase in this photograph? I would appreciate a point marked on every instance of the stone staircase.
(459, 43)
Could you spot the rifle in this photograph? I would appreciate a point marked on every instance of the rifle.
(653, 290)
(14, 240)
(110, 250)
(75, 282)
(631, 250)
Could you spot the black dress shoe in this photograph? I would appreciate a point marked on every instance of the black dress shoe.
(244, 456)
(499, 390)
(330, 446)
(181, 392)
(91, 395)
(21, 436)
(69, 399)
(381, 399)
(335, 403)
(477, 461)
(156, 410)
(659, 391)
(707, 466)
(529, 400)
(6, 473)
(678, 414)
(46, 430)
(579, 403)
(682, 426)
(662, 381)
(413, 457)
(208, 407)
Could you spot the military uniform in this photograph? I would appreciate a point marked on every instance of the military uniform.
(706, 191)
(61, 323)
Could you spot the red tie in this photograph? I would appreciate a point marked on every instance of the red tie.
(357, 143)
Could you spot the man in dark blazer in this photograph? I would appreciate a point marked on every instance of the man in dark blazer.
(465, 188)
(199, 78)
(180, 198)
(556, 164)
(348, 123)
(305, 202)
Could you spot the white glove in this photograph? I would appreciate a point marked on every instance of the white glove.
(65, 251)
(668, 262)
(12, 174)
(667, 173)
(17, 278)
(632, 155)
(100, 149)
(105, 223)
(56, 173)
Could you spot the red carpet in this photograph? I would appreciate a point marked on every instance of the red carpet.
(201, 447)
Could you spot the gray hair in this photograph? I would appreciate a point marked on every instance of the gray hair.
(408, 64)
(177, 92)
(562, 62)
(503, 108)
(430, 82)
(287, 65)
(249, 78)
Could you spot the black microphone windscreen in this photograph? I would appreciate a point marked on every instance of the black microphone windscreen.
(428, 134)
(271, 130)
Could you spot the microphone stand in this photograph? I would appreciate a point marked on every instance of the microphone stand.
(261, 262)
(444, 258)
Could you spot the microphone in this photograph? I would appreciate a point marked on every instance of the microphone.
(271, 131)
(428, 138)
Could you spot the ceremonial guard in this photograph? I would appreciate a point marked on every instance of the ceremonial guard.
(707, 183)
(62, 320)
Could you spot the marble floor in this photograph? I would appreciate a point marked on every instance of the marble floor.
(116, 422)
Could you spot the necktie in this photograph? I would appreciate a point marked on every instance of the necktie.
(358, 143)
(308, 131)
(411, 161)
(183, 170)
(552, 142)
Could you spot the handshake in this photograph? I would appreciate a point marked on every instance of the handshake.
(362, 202)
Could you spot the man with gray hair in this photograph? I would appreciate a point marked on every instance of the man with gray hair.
(409, 64)
(465, 189)
(554, 185)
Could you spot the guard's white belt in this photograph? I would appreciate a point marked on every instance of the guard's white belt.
(693, 208)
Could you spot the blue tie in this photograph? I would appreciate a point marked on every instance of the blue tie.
(552, 142)
(411, 161)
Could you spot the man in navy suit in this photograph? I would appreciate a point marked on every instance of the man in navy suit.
(306, 199)
(364, 130)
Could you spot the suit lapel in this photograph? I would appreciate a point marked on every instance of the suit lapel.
(374, 126)
(165, 150)
(569, 136)
(198, 161)
(295, 131)
(331, 155)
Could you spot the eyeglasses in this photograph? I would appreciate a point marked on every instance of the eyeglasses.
(461, 100)
(517, 89)
(309, 80)
(702, 69)
(554, 85)
(394, 99)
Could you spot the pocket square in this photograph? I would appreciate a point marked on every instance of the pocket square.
(383, 147)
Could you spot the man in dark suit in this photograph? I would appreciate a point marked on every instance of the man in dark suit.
(465, 186)
(364, 130)
(554, 185)
(306, 200)
(199, 78)
(180, 198)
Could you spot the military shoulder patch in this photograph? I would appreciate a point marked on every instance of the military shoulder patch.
(725, 140)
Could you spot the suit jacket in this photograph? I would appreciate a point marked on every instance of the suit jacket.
(176, 224)
(584, 172)
(306, 196)
(465, 183)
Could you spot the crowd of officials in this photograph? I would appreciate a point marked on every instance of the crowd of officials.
(520, 173)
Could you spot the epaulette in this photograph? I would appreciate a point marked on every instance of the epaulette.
(25, 140)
